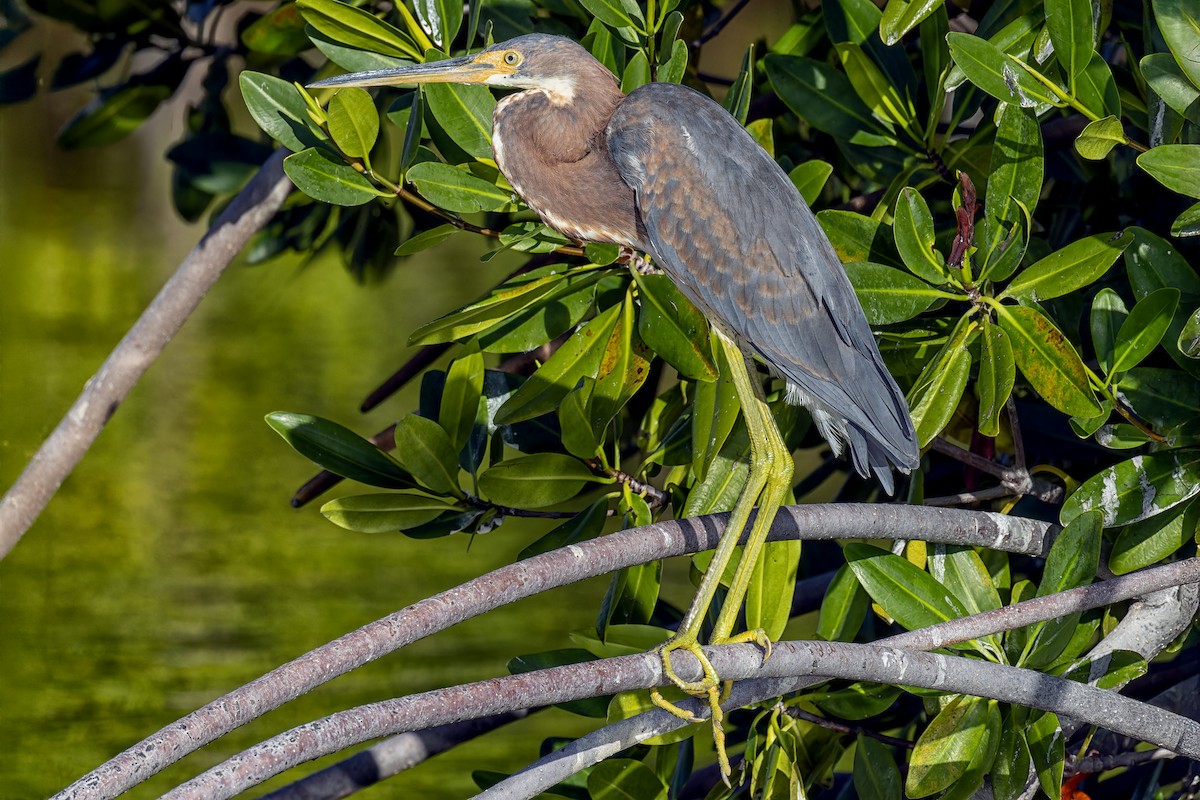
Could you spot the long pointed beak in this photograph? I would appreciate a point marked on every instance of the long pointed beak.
(464, 69)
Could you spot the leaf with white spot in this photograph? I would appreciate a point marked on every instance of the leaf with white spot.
(1139, 488)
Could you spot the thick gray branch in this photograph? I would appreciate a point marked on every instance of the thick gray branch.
(524, 579)
(134, 354)
(791, 662)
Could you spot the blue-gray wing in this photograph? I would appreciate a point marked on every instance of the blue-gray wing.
(725, 222)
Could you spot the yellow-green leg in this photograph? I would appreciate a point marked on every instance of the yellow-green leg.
(767, 485)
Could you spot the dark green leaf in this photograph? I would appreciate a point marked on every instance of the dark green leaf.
(426, 239)
(596, 707)
(353, 121)
(1166, 398)
(997, 374)
(876, 776)
(997, 73)
(934, 396)
(340, 450)
(1188, 340)
(1152, 540)
(112, 116)
(715, 409)
(504, 302)
(820, 95)
(1070, 25)
(425, 450)
(1137, 489)
(856, 237)
(20, 82)
(888, 295)
(1176, 166)
(460, 398)
(1069, 268)
(1074, 555)
(676, 67)
(914, 233)
(1167, 80)
(456, 189)
(1179, 20)
(384, 513)
(553, 315)
(909, 595)
(1046, 748)
(355, 27)
(1011, 768)
(535, 481)
(1143, 329)
(1108, 315)
(1048, 361)
(353, 59)
(1112, 671)
(737, 99)
(322, 176)
(673, 327)
(465, 113)
(1100, 136)
(637, 72)
(858, 700)
(901, 16)
(945, 748)
(575, 419)
(1096, 89)
(617, 13)
(843, 609)
(874, 88)
(278, 33)
(441, 19)
(621, 640)
(809, 179)
(623, 369)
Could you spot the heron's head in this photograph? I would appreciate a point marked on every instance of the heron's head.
(553, 64)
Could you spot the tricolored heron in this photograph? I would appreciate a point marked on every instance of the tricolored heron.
(666, 171)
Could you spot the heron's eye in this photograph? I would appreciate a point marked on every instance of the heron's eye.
(512, 58)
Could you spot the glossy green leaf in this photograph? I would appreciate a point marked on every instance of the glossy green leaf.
(1137, 489)
(617, 13)
(623, 369)
(1096, 90)
(1079, 264)
(1047, 750)
(676, 67)
(1074, 556)
(1015, 179)
(724, 479)
(384, 513)
(1154, 263)
(1164, 77)
(575, 420)
(1188, 340)
(441, 19)
(1070, 25)
(1179, 21)
(279, 32)
(414, 129)
(1114, 670)
(464, 112)
(715, 410)
(1166, 398)
(935, 395)
(858, 700)
(629, 704)
(810, 178)
(997, 73)
(1152, 540)
(637, 72)
(424, 449)
(914, 233)
(769, 598)
(673, 327)
(1048, 361)
(579, 357)
(632, 595)
(325, 177)
(353, 59)
(545, 320)
(901, 16)
(625, 779)
(112, 116)
(460, 397)
(820, 95)
(908, 595)
(945, 748)
(505, 301)
(353, 121)
(1011, 767)
(279, 110)
(997, 374)
(535, 481)
(456, 189)
(340, 450)
(876, 776)
(1176, 166)
(843, 608)
(856, 237)
(1010, 35)
(737, 99)
(1107, 317)
(873, 87)
(889, 295)
(357, 28)
(426, 239)
(587, 524)
(1099, 137)
(1144, 328)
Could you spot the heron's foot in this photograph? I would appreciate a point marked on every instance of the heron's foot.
(638, 262)
(757, 636)
(698, 688)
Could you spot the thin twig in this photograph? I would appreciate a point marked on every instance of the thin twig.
(657, 497)
(720, 24)
(159, 323)
(1094, 764)
(795, 712)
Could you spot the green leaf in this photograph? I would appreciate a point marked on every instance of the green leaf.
(1070, 25)
(1152, 540)
(575, 420)
(673, 327)
(1048, 361)
(857, 238)
(820, 95)
(460, 397)
(426, 239)
(425, 450)
(1166, 398)
(620, 640)
(340, 450)
(1097, 90)
(617, 13)
(278, 33)
(322, 176)
(112, 116)
(637, 72)
(901, 16)
(715, 410)
(997, 374)
(1015, 180)
(464, 112)
(623, 369)
(945, 748)
(914, 233)
(353, 121)
(1047, 750)
(1079, 264)
(1074, 556)
(909, 595)
(352, 59)
(354, 27)
(675, 68)
(1137, 489)
(1154, 263)
(1144, 328)
(1167, 80)
(888, 295)
(876, 776)
(843, 608)
(1108, 315)
(935, 395)
(384, 513)
(441, 19)
(545, 320)
(873, 87)
(1011, 768)
(279, 110)
(1099, 137)
(625, 779)
(587, 524)
(579, 357)
(1176, 166)
(737, 99)
(536, 481)
(769, 598)
(1115, 669)
(456, 189)
(1189, 336)
(810, 178)
(997, 73)
(507, 300)
(1179, 22)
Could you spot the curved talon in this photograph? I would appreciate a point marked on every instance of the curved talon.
(757, 636)
(696, 688)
